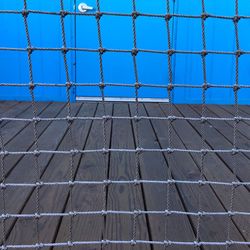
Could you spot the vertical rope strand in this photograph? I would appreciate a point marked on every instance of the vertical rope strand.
(25, 14)
(68, 86)
(104, 121)
(170, 107)
(236, 112)
(203, 115)
(3, 187)
(137, 136)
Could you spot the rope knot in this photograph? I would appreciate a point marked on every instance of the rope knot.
(98, 15)
(171, 52)
(203, 119)
(102, 85)
(32, 86)
(167, 212)
(63, 13)
(170, 87)
(137, 85)
(71, 183)
(25, 13)
(36, 152)
(134, 51)
(2, 186)
(239, 53)
(37, 215)
(70, 244)
(68, 85)
(169, 150)
(197, 244)
(205, 86)
(229, 243)
(64, 50)
(236, 19)
(101, 50)
(204, 53)
(204, 16)
(106, 182)
(133, 242)
(135, 14)
(236, 87)
(235, 151)
(39, 184)
(168, 17)
(167, 243)
(29, 50)
(136, 182)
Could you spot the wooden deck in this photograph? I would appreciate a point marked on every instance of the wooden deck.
(153, 134)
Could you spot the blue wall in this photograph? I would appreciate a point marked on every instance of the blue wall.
(81, 31)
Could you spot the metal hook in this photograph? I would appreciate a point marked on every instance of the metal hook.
(83, 7)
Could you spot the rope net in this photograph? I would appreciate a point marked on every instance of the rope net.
(75, 187)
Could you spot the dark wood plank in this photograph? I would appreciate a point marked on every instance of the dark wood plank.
(185, 168)
(215, 168)
(226, 127)
(124, 197)
(244, 109)
(14, 110)
(14, 128)
(6, 106)
(24, 139)
(88, 198)
(153, 166)
(16, 198)
(219, 135)
(243, 127)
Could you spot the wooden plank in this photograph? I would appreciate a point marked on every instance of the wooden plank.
(13, 128)
(185, 168)
(124, 197)
(153, 166)
(120, 197)
(244, 109)
(220, 136)
(53, 199)
(88, 198)
(243, 127)
(226, 127)
(49, 139)
(7, 106)
(215, 168)
(16, 109)
(24, 139)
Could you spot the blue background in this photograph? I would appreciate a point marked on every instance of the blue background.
(81, 32)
